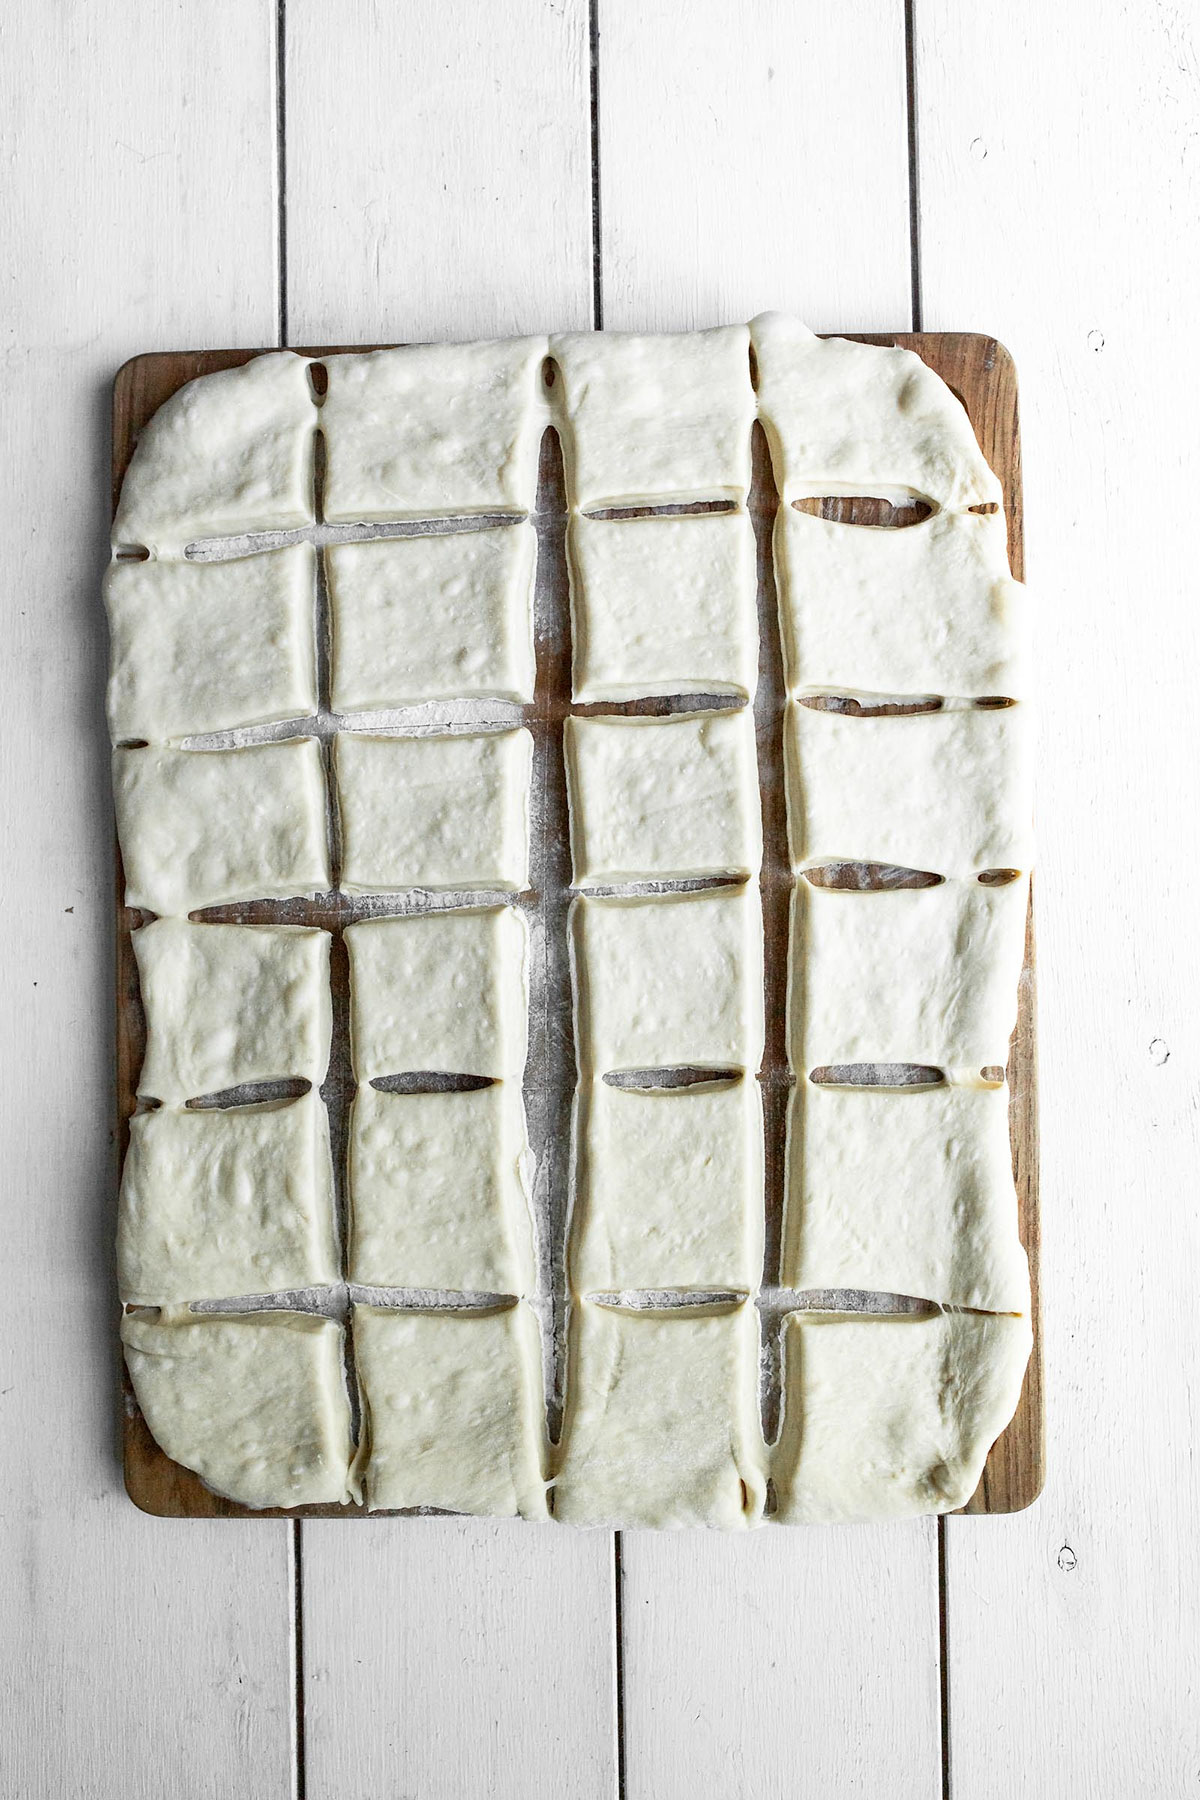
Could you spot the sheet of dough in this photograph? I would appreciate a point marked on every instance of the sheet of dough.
(226, 1202)
(437, 1194)
(433, 428)
(655, 419)
(438, 617)
(452, 1403)
(205, 646)
(663, 605)
(439, 991)
(904, 1191)
(845, 418)
(909, 975)
(948, 792)
(670, 1188)
(203, 827)
(662, 1419)
(230, 452)
(656, 798)
(669, 982)
(256, 1404)
(227, 1004)
(434, 812)
(886, 1418)
(926, 609)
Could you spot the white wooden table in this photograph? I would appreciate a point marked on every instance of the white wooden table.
(341, 171)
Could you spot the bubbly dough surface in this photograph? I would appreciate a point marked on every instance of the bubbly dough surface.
(886, 1418)
(656, 798)
(437, 1195)
(433, 428)
(904, 1191)
(453, 1406)
(205, 646)
(226, 1202)
(921, 975)
(655, 419)
(230, 452)
(662, 1419)
(439, 991)
(256, 1404)
(947, 792)
(669, 982)
(202, 827)
(438, 617)
(928, 609)
(663, 605)
(227, 1004)
(434, 812)
(670, 1188)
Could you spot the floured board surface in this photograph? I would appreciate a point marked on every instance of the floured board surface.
(981, 373)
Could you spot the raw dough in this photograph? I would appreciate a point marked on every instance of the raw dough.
(452, 1406)
(663, 605)
(434, 812)
(433, 428)
(437, 1197)
(904, 1191)
(845, 418)
(916, 975)
(926, 609)
(439, 991)
(437, 617)
(654, 798)
(885, 1418)
(655, 419)
(670, 1188)
(662, 1419)
(226, 1202)
(198, 647)
(947, 792)
(669, 982)
(202, 827)
(255, 1404)
(231, 452)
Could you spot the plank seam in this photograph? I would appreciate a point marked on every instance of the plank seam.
(281, 164)
(914, 173)
(943, 1656)
(597, 252)
(299, 1766)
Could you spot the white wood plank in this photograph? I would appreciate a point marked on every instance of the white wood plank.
(1060, 200)
(139, 1657)
(754, 155)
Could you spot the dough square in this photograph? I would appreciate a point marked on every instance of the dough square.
(433, 428)
(230, 452)
(670, 1188)
(225, 1202)
(655, 419)
(228, 1004)
(947, 792)
(452, 1404)
(434, 812)
(887, 1418)
(438, 617)
(927, 609)
(256, 1404)
(656, 798)
(904, 1191)
(662, 1419)
(203, 827)
(663, 605)
(906, 975)
(846, 418)
(437, 1194)
(442, 992)
(205, 646)
(669, 982)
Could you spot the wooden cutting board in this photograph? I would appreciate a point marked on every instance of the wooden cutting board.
(980, 371)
